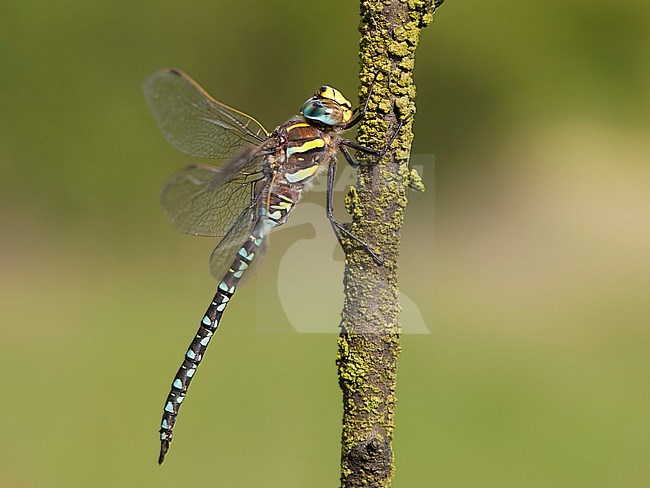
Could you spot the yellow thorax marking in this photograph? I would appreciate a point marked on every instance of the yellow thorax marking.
(307, 146)
(281, 206)
(301, 174)
(295, 126)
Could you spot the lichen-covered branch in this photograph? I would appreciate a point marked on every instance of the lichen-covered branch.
(369, 341)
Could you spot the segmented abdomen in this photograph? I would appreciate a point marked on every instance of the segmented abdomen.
(305, 150)
(208, 327)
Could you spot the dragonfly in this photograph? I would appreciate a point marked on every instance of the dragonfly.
(256, 190)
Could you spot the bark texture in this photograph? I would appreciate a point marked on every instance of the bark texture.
(369, 345)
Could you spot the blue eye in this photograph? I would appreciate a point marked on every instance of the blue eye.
(315, 110)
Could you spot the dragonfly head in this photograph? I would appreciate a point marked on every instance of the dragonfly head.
(328, 107)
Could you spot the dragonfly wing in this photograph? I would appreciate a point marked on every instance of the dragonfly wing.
(224, 254)
(196, 123)
(204, 200)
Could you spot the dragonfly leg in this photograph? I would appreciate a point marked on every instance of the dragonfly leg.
(360, 114)
(348, 157)
(337, 226)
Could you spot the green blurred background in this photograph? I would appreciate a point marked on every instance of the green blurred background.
(528, 258)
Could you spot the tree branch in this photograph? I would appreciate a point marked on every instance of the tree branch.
(369, 340)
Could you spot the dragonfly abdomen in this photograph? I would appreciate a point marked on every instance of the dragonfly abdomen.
(208, 326)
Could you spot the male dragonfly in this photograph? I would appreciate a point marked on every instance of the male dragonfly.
(253, 192)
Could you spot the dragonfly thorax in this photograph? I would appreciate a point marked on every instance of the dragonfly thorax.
(328, 107)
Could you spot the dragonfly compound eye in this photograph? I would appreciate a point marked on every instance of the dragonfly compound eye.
(324, 111)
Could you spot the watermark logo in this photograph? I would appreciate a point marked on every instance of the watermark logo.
(307, 262)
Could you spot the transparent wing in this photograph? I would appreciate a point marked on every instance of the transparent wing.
(224, 254)
(196, 123)
(204, 200)
(215, 267)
